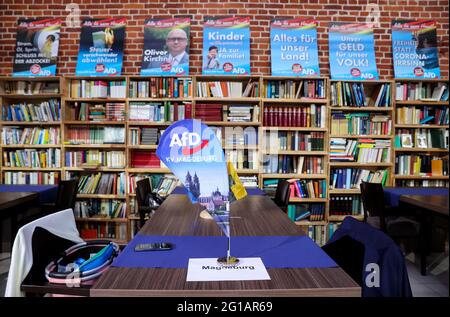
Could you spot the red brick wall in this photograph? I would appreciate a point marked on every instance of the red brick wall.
(136, 11)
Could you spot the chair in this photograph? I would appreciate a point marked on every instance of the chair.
(60, 224)
(282, 193)
(144, 198)
(65, 197)
(384, 217)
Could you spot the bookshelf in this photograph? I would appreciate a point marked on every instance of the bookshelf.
(94, 150)
(294, 146)
(31, 130)
(361, 115)
(421, 133)
(301, 122)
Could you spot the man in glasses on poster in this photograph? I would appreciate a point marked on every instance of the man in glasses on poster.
(176, 43)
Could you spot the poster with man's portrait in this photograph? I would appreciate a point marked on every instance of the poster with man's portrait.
(414, 49)
(37, 45)
(166, 47)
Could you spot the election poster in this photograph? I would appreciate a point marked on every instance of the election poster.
(37, 45)
(226, 46)
(414, 49)
(194, 154)
(166, 47)
(293, 44)
(352, 51)
(101, 47)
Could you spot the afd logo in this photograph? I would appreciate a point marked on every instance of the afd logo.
(190, 143)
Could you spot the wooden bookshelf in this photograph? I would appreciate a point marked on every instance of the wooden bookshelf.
(351, 103)
(38, 109)
(409, 98)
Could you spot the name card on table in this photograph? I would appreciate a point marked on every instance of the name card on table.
(248, 269)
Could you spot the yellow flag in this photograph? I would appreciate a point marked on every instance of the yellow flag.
(235, 183)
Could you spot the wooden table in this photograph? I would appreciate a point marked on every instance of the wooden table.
(427, 207)
(252, 216)
(9, 208)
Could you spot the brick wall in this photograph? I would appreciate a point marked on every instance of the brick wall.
(136, 11)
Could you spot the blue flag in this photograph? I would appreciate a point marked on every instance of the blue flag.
(191, 150)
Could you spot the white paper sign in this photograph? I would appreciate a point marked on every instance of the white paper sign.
(248, 269)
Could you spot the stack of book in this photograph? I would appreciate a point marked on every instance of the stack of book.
(373, 151)
(97, 89)
(249, 181)
(294, 141)
(80, 158)
(149, 136)
(423, 165)
(22, 87)
(310, 211)
(160, 112)
(115, 111)
(342, 149)
(145, 159)
(240, 113)
(290, 89)
(95, 135)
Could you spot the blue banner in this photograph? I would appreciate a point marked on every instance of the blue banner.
(101, 47)
(352, 51)
(414, 49)
(191, 150)
(293, 44)
(166, 47)
(226, 46)
(37, 45)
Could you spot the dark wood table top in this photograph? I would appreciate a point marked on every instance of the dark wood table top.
(11, 199)
(253, 216)
(435, 203)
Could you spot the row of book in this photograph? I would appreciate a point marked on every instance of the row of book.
(144, 136)
(360, 123)
(240, 113)
(249, 181)
(290, 89)
(48, 158)
(161, 87)
(82, 158)
(422, 115)
(243, 159)
(361, 150)
(425, 165)
(308, 188)
(109, 230)
(102, 183)
(349, 178)
(421, 138)
(100, 208)
(32, 136)
(352, 94)
(95, 135)
(30, 87)
(98, 111)
(292, 164)
(209, 112)
(294, 141)
(421, 91)
(145, 159)
(31, 178)
(160, 111)
(219, 89)
(316, 233)
(344, 205)
(45, 111)
(421, 183)
(237, 136)
(299, 116)
(134, 178)
(98, 89)
(309, 211)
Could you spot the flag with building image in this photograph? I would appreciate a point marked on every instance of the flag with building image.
(191, 150)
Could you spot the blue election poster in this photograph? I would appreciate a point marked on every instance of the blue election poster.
(166, 47)
(226, 46)
(414, 49)
(293, 44)
(37, 45)
(191, 150)
(352, 51)
(101, 47)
